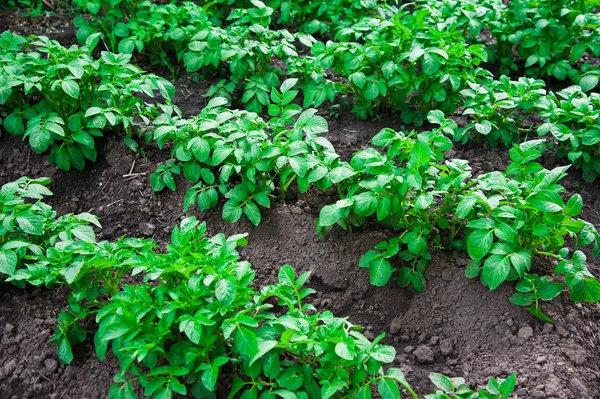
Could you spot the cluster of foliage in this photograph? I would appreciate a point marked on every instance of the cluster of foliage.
(573, 118)
(240, 156)
(503, 219)
(196, 315)
(382, 60)
(501, 111)
(61, 99)
(550, 38)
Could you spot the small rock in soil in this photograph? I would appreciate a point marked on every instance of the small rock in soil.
(434, 340)
(147, 229)
(538, 394)
(8, 369)
(423, 354)
(8, 327)
(447, 274)
(525, 332)
(51, 365)
(136, 185)
(547, 328)
(446, 347)
(409, 349)
(575, 353)
(396, 325)
(541, 360)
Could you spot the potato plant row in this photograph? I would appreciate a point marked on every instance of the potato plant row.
(195, 316)
(400, 67)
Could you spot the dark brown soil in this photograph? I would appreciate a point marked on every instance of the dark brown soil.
(456, 326)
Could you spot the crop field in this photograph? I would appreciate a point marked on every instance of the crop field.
(299, 199)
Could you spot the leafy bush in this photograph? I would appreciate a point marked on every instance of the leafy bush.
(573, 118)
(550, 37)
(236, 154)
(499, 110)
(61, 98)
(507, 219)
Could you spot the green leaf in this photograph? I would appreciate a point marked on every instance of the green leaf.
(252, 213)
(156, 181)
(550, 291)
(71, 88)
(245, 342)
(380, 271)
(574, 205)
(370, 91)
(388, 389)
(587, 290)
(495, 270)
(341, 349)
(508, 385)
(465, 206)
(220, 154)
(225, 291)
(200, 148)
(65, 353)
(521, 261)
(232, 212)
(191, 329)
(522, 298)
(286, 276)
(479, 243)
(384, 353)
(442, 382)
(14, 124)
(31, 224)
(330, 215)
(546, 201)
(8, 262)
(420, 153)
(430, 64)
(209, 378)
(263, 348)
(340, 173)
(473, 269)
(112, 331)
(589, 81)
(72, 272)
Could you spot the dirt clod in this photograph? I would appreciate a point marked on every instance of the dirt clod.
(525, 332)
(423, 354)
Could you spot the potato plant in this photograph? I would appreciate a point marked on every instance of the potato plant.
(503, 219)
(498, 110)
(550, 37)
(61, 99)
(239, 156)
(573, 119)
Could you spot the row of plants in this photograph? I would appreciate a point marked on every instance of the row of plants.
(412, 62)
(380, 60)
(195, 320)
(66, 99)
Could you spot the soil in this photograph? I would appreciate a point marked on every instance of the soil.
(456, 326)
